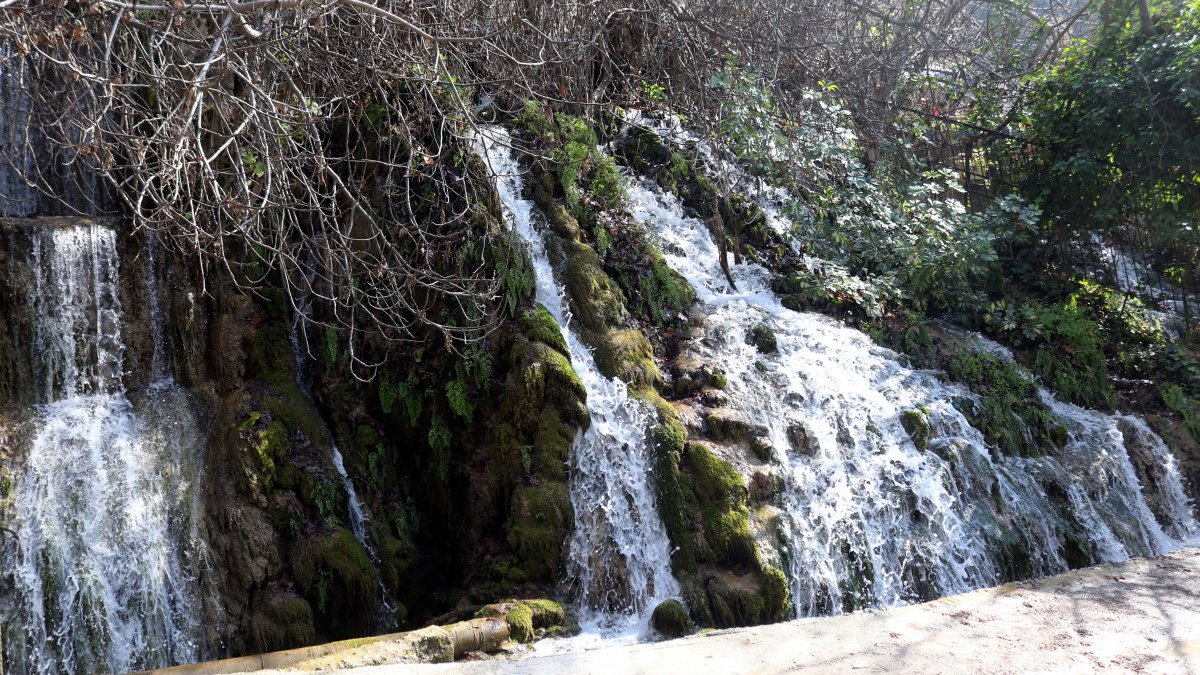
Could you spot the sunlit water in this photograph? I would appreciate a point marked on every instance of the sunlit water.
(107, 558)
(619, 557)
(870, 519)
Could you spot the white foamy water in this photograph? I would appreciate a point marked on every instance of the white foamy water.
(871, 520)
(619, 557)
(106, 564)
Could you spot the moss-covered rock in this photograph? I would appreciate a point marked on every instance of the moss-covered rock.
(670, 619)
(334, 573)
(627, 355)
(531, 619)
(727, 427)
(1009, 411)
(595, 299)
(916, 422)
(539, 325)
(284, 621)
(763, 339)
(538, 528)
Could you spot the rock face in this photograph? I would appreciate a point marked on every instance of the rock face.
(458, 463)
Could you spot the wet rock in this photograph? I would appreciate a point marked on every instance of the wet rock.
(802, 440)
(765, 485)
(713, 398)
(916, 422)
(726, 426)
(763, 339)
(671, 619)
(762, 448)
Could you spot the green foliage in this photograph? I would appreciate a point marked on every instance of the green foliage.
(1130, 336)
(1117, 126)
(460, 399)
(589, 179)
(1069, 356)
(327, 497)
(388, 392)
(412, 396)
(904, 237)
(1008, 411)
(1174, 397)
(440, 439)
(515, 270)
(331, 347)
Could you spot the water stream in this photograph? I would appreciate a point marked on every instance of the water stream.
(871, 519)
(107, 560)
(619, 556)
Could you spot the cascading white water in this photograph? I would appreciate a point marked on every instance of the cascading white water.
(1165, 302)
(106, 564)
(619, 554)
(872, 520)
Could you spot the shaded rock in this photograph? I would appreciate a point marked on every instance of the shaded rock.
(802, 440)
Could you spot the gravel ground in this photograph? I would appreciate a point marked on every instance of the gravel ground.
(1139, 616)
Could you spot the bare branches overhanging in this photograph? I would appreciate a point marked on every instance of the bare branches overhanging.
(322, 140)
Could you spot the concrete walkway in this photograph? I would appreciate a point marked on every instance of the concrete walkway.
(1141, 616)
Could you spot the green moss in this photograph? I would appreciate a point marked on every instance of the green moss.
(527, 617)
(763, 338)
(1009, 411)
(719, 380)
(520, 623)
(595, 299)
(271, 359)
(726, 428)
(670, 619)
(336, 576)
(539, 325)
(628, 356)
(289, 406)
(284, 622)
(552, 446)
(540, 521)
(777, 594)
(559, 379)
(916, 422)
(734, 603)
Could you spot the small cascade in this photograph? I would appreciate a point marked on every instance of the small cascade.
(1166, 302)
(871, 519)
(620, 561)
(106, 568)
(358, 517)
(300, 340)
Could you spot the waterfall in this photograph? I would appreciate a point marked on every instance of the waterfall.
(106, 564)
(619, 556)
(384, 618)
(358, 517)
(870, 518)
